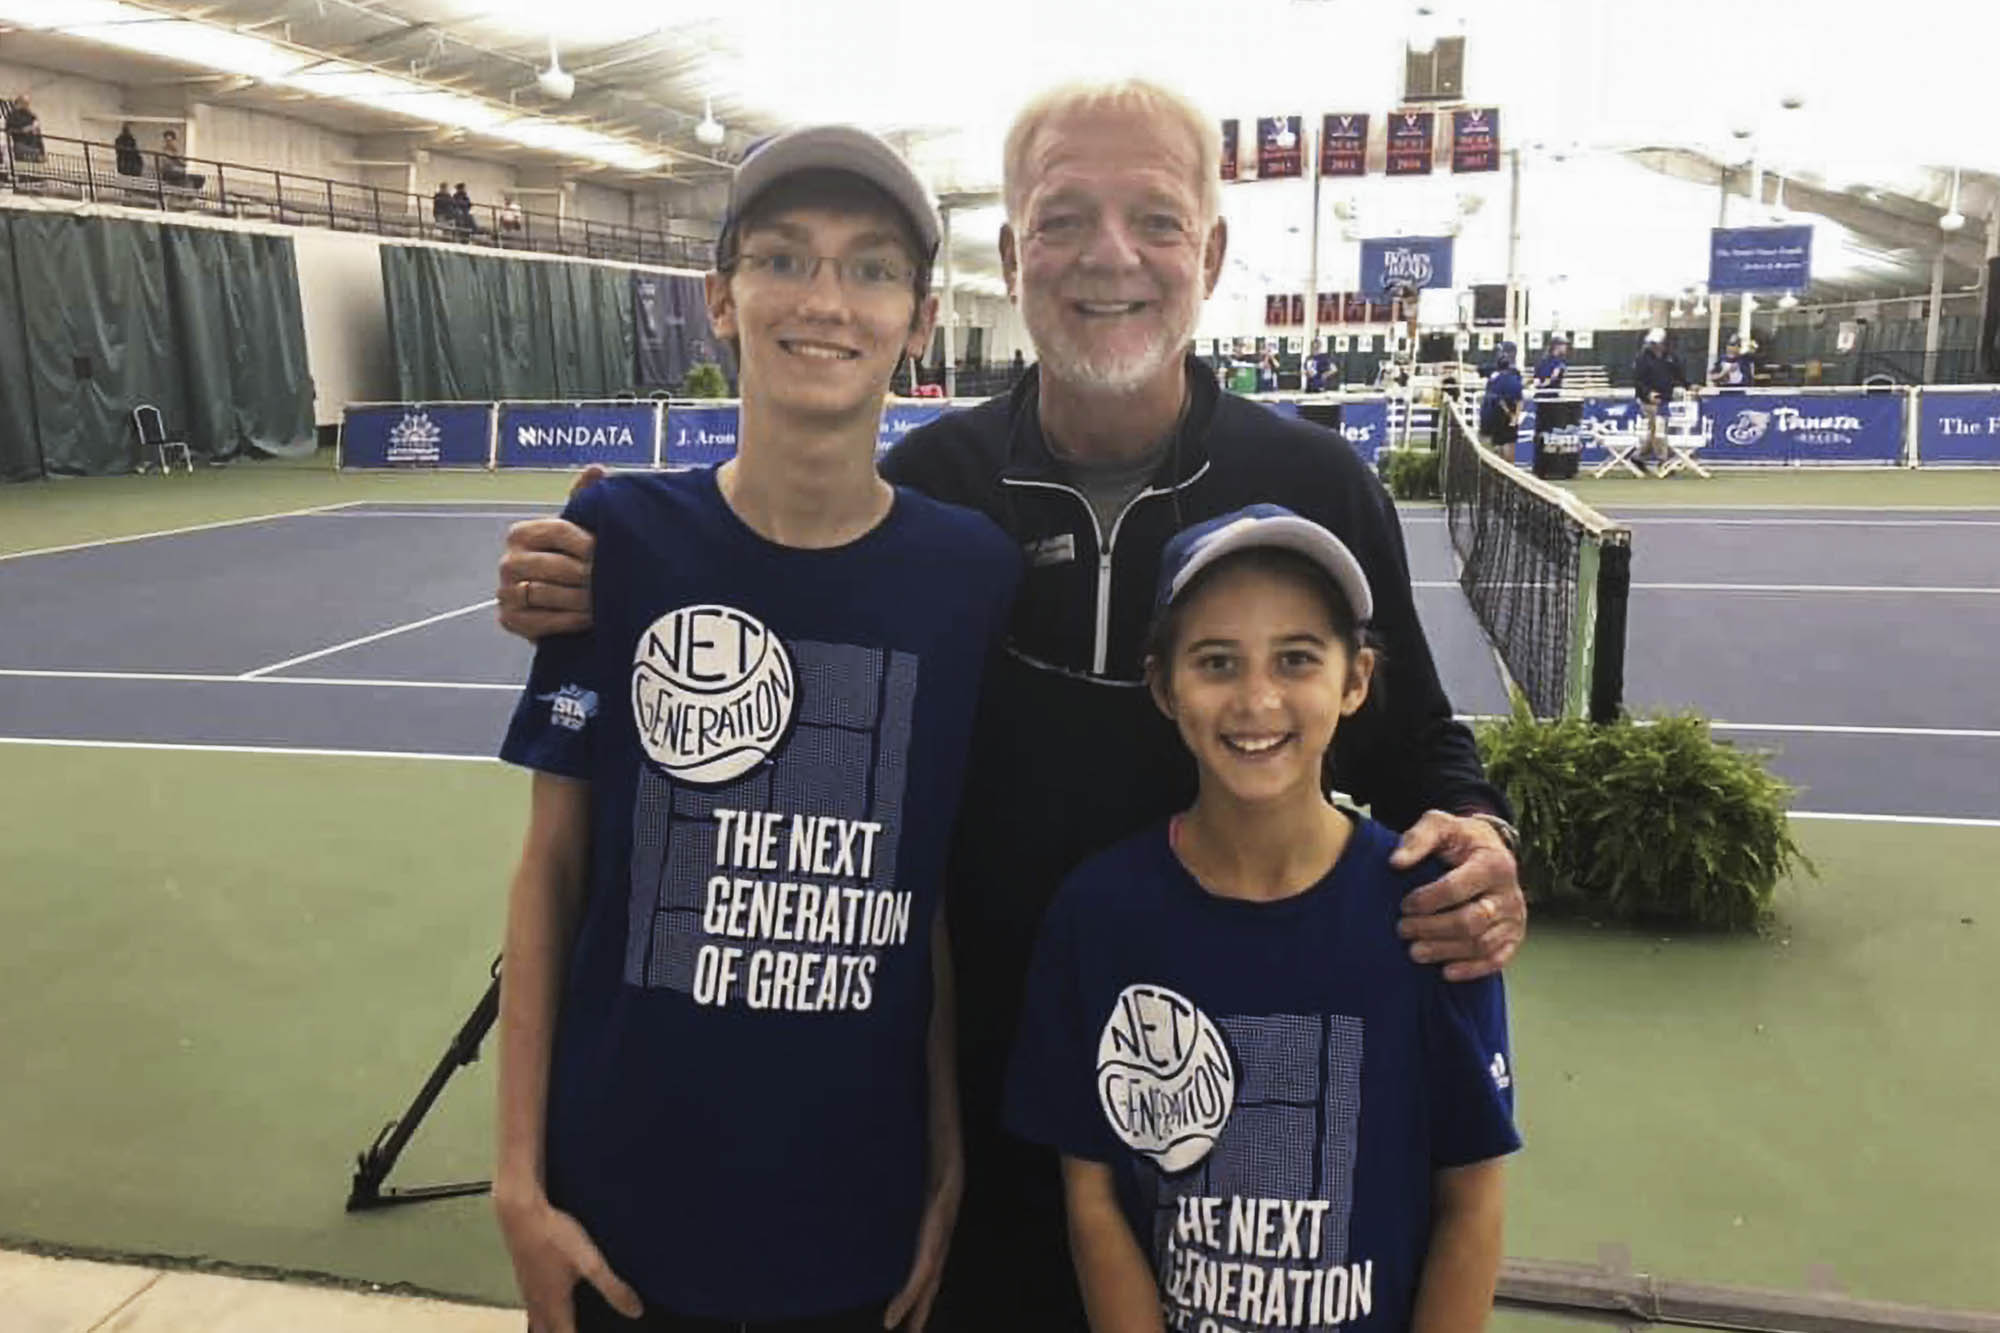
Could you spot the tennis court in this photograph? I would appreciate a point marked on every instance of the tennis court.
(256, 853)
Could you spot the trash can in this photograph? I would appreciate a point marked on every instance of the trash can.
(1556, 453)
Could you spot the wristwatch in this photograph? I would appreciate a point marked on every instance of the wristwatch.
(1509, 835)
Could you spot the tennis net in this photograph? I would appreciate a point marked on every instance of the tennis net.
(1547, 575)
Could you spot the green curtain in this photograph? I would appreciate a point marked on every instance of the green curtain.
(464, 326)
(241, 337)
(20, 449)
(99, 336)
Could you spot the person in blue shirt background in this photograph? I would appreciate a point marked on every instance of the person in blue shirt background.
(727, 1083)
(1731, 371)
(1500, 406)
(1268, 1117)
(1549, 371)
(1322, 374)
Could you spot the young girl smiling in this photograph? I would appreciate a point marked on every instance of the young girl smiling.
(1269, 1117)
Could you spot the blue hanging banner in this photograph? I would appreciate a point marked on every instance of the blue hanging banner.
(1759, 259)
(416, 435)
(699, 436)
(1802, 428)
(571, 435)
(1415, 261)
(1958, 428)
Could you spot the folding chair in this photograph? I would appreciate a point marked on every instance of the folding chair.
(153, 435)
(1620, 443)
(1687, 433)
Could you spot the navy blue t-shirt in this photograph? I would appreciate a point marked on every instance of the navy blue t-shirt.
(1273, 1083)
(1549, 371)
(1503, 388)
(776, 741)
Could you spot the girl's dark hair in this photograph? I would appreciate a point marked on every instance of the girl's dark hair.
(1163, 638)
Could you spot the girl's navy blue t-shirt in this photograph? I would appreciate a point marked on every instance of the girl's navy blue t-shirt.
(775, 740)
(1273, 1083)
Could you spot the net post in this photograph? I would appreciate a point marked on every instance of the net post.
(1583, 632)
(1614, 591)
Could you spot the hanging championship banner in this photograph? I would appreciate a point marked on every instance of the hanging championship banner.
(1329, 307)
(1343, 146)
(1405, 261)
(1475, 140)
(1276, 308)
(1353, 308)
(1280, 147)
(1412, 135)
(1298, 304)
(1759, 259)
(1229, 150)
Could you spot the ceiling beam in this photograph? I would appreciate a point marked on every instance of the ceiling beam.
(1888, 227)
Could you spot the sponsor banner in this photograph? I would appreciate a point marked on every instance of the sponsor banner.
(566, 435)
(1229, 150)
(1416, 261)
(1759, 259)
(415, 435)
(1276, 159)
(899, 419)
(1343, 146)
(1366, 426)
(1411, 138)
(1475, 140)
(1816, 428)
(699, 436)
(1958, 428)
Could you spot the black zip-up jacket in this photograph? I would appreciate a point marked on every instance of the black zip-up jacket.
(1070, 754)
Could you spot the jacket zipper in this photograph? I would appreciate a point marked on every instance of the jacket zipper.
(1100, 654)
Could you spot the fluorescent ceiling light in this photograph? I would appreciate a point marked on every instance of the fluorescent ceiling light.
(150, 32)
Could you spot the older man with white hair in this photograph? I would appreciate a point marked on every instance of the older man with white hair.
(1113, 442)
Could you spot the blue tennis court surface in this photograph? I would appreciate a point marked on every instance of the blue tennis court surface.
(1859, 644)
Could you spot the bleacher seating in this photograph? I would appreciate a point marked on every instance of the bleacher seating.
(86, 170)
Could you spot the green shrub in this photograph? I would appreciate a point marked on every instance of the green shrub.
(1411, 474)
(705, 380)
(1648, 820)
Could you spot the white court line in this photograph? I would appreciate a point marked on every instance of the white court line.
(366, 638)
(1834, 816)
(1807, 728)
(200, 678)
(250, 749)
(1756, 587)
(1828, 816)
(550, 510)
(175, 532)
(1789, 522)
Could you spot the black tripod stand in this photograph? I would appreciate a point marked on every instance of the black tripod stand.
(374, 1165)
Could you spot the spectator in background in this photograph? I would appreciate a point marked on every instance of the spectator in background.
(1267, 371)
(1322, 374)
(1016, 368)
(173, 167)
(443, 211)
(1731, 371)
(24, 131)
(510, 214)
(131, 162)
(1500, 407)
(461, 205)
(1549, 371)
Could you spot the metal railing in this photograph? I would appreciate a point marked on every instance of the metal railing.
(85, 170)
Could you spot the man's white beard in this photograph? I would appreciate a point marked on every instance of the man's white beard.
(1108, 372)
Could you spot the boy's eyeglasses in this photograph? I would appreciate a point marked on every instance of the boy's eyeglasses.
(869, 275)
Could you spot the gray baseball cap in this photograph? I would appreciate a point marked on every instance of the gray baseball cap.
(834, 148)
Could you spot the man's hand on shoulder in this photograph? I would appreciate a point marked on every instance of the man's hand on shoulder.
(1472, 918)
(545, 574)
